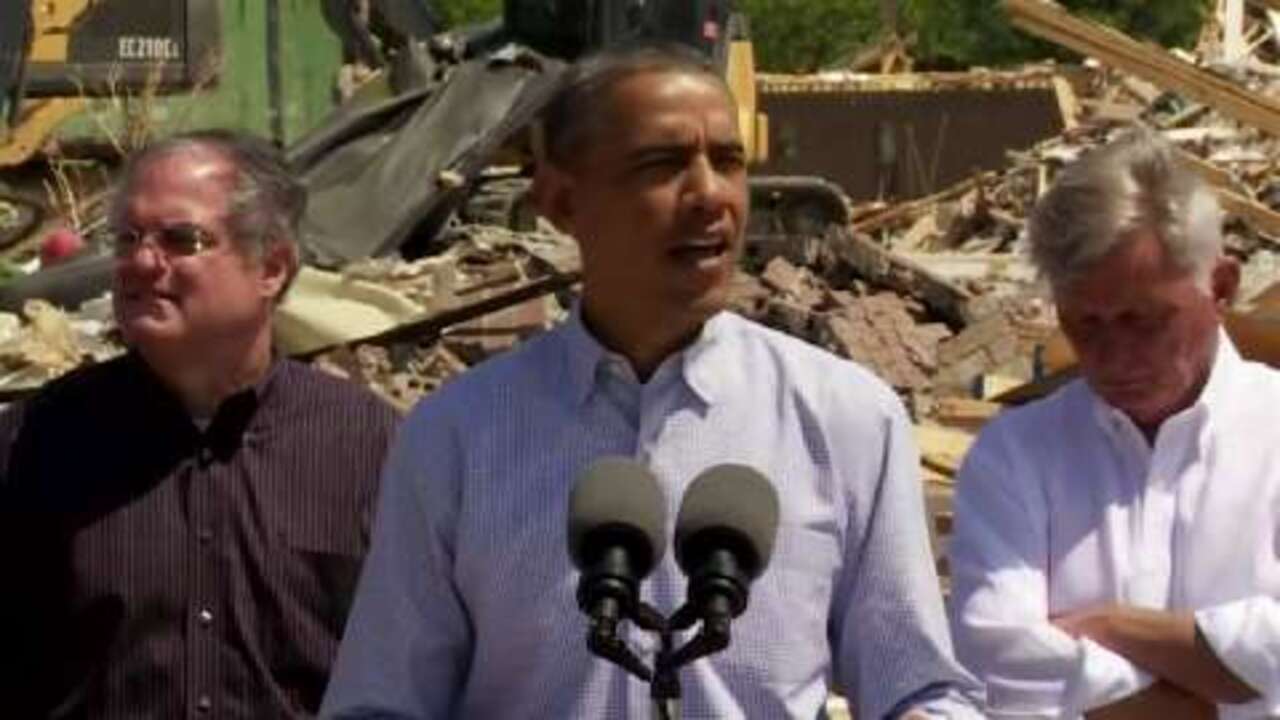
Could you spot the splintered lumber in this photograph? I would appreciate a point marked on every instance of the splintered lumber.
(965, 412)
(1151, 63)
(1260, 216)
(461, 311)
(942, 449)
(1255, 213)
(882, 267)
(912, 208)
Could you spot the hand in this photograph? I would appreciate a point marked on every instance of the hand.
(1093, 623)
(1165, 644)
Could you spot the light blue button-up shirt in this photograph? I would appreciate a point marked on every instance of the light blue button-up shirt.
(466, 607)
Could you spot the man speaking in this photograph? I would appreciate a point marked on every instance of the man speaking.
(467, 605)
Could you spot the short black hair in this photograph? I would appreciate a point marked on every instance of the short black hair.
(571, 117)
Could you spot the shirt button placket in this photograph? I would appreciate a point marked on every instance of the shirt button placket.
(203, 583)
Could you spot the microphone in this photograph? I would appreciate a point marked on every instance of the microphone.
(617, 533)
(724, 539)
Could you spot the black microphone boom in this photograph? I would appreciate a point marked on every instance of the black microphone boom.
(724, 539)
(617, 533)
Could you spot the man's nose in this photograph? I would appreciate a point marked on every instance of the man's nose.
(705, 186)
(144, 260)
(1122, 348)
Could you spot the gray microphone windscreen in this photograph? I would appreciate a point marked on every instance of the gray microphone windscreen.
(617, 493)
(730, 497)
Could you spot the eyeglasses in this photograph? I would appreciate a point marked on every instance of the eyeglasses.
(172, 241)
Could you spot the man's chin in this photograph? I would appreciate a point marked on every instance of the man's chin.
(706, 305)
(1144, 411)
(149, 330)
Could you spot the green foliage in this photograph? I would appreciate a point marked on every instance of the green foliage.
(805, 35)
(951, 33)
(465, 12)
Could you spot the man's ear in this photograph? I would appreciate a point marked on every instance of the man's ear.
(553, 196)
(279, 261)
(1225, 281)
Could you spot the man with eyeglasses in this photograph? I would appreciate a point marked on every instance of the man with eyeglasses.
(181, 529)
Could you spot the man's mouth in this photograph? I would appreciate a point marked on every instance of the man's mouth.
(1125, 387)
(148, 296)
(699, 250)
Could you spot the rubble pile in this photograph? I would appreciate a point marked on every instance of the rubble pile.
(490, 289)
(935, 294)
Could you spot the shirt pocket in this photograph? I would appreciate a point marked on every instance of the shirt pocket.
(313, 578)
(781, 638)
(321, 567)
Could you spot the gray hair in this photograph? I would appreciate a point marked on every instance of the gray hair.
(574, 114)
(266, 202)
(1136, 182)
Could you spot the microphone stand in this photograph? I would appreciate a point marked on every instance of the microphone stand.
(664, 678)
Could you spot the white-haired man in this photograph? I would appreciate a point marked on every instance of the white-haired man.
(1116, 551)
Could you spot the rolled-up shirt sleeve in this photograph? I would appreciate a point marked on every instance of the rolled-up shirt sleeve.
(1000, 607)
(1245, 636)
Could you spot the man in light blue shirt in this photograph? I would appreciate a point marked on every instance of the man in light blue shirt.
(466, 607)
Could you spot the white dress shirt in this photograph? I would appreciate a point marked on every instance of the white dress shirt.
(1063, 505)
(466, 607)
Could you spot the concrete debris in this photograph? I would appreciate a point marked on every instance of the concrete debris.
(878, 332)
(934, 294)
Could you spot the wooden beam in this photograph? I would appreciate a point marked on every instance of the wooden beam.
(1149, 62)
(1235, 203)
(908, 211)
(1253, 212)
(1233, 42)
(879, 266)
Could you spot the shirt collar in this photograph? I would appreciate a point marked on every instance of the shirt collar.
(234, 412)
(702, 364)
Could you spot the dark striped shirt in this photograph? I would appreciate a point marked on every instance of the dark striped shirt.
(155, 570)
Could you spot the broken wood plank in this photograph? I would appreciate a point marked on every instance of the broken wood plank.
(906, 210)
(460, 312)
(1253, 212)
(1038, 388)
(942, 449)
(880, 267)
(965, 412)
(1235, 203)
(1068, 103)
(1152, 63)
(1233, 41)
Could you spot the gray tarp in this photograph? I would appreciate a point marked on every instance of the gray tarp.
(378, 189)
